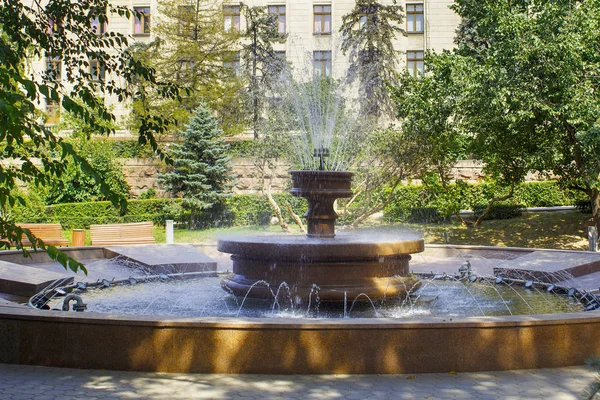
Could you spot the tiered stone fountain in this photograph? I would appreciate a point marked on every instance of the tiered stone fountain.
(336, 268)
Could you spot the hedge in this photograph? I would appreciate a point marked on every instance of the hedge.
(239, 210)
(80, 215)
(415, 203)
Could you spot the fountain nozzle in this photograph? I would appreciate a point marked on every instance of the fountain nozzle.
(321, 152)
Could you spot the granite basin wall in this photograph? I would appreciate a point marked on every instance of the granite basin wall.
(355, 346)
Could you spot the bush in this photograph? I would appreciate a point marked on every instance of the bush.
(81, 215)
(251, 209)
(424, 215)
(469, 196)
(499, 211)
(584, 206)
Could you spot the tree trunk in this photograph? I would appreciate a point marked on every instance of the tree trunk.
(295, 217)
(595, 201)
(277, 210)
(491, 204)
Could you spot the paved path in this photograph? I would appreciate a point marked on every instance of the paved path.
(27, 382)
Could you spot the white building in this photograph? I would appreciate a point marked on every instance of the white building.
(313, 32)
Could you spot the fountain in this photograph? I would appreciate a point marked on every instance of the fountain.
(341, 266)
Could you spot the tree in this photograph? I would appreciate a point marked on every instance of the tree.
(533, 87)
(368, 32)
(261, 64)
(64, 31)
(201, 173)
(192, 49)
(76, 186)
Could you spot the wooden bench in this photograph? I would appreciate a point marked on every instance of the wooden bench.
(117, 234)
(51, 234)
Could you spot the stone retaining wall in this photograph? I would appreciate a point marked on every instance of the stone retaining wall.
(141, 175)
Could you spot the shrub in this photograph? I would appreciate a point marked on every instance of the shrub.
(80, 215)
(584, 206)
(499, 211)
(424, 215)
(462, 195)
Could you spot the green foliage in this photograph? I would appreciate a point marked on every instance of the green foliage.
(129, 149)
(426, 106)
(243, 148)
(531, 89)
(368, 32)
(82, 215)
(499, 211)
(584, 206)
(261, 65)
(25, 39)
(192, 50)
(463, 196)
(75, 185)
(148, 194)
(201, 173)
(247, 209)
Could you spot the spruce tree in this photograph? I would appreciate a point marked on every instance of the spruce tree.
(368, 32)
(201, 173)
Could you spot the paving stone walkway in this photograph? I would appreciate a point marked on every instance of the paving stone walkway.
(28, 382)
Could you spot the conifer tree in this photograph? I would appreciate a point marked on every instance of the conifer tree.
(201, 173)
(368, 32)
(262, 64)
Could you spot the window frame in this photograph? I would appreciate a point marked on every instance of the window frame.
(322, 14)
(54, 65)
(324, 62)
(52, 112)
(236, 12)
(98, 27)
(414, 71)
(185, 27)
(279, 15)
(234, 63)
(145, 22)
(415, 13)
(101, 71)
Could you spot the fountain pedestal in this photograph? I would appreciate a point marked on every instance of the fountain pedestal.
(334, 269)
(321, 189)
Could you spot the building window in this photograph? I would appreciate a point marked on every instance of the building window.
(54, 26)
(232, 62)
(414, 18)
(97, 71)
(142, 21)
(98, 27)
(322, 63)
(322, 21)
(280, 54)
(186, 15)
(53, 68)
(232, 18)
(280, 12)
(52, 112)
(362, 21)
(414, 63)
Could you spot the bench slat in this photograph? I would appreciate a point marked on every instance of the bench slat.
(116, 234)
(51, 234)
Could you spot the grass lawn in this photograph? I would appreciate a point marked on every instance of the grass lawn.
(552, 230)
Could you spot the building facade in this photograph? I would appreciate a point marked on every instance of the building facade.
(313, 40)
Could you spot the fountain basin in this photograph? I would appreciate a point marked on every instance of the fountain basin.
(355, 346)
(295, 346)
(342, 267)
